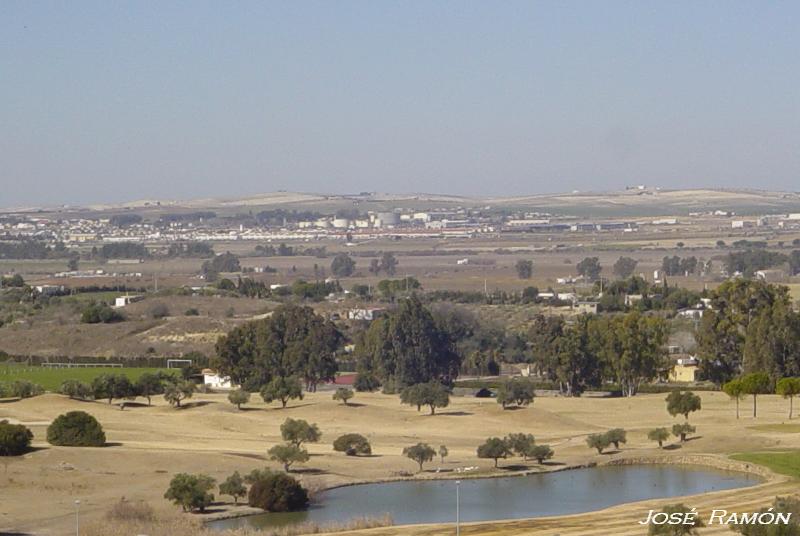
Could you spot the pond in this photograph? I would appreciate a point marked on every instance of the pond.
(485, 499)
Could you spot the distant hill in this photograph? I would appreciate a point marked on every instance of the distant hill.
(628, 203)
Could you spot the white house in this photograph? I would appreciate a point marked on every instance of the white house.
(122, 301)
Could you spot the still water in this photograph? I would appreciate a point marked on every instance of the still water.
(560, 493)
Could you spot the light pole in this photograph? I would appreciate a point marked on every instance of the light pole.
(77, 517)
(458, 508)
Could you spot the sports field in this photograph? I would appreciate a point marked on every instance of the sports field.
(51, 378)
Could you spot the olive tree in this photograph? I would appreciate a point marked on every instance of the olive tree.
(344, 394)
(176, 392)
(239, 397)
(682, 430)
(287, 455)
(598, 441)
(76, 390)
(494, 448)
(420, 453)
(519, 392)
(191, 492)
(352, 445)
(658, 434)
(234, 487)
(617, 436)
(540, 453)
(283, 389)
(298, 431)
(520, 444)
(683, 403)
(432, 394)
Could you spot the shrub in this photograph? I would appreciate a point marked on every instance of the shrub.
(352, 445)
(277, 492)
(76, 429)
(344, 394)
(96, 313)
(192, 311)
(25, 389)
(131, 511)
(15, 439)
(191, 492)
(159, 310)
(366, 382)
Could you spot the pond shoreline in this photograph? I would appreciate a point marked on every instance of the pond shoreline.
(697, 460)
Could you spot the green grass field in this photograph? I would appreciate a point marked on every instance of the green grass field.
(785, 463)
(51, 378)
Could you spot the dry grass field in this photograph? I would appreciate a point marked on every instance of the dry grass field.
(147, 445)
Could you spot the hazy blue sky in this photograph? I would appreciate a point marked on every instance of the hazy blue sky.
(111, 100)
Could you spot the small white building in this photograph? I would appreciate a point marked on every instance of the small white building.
(122, 301)
(213, 380)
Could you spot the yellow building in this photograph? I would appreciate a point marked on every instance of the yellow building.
(684, 370)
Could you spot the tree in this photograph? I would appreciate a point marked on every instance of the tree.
(540, 453)
(388, 263)
(277, 492)
(756, 383)
(191, 492)
(352, 445)
(234, 487)
(15, 439)
(735, 390)
(293, 341)
(408, 347)
(598, 441)
(783, 505)
(624, 267)
(283, 389)
(175, 392)
(519, 392)
(420, 453)
(658, 434)
(298, 431)
(288, 454)
(344, 394)
(632, 346)
(682, 430)
(239, 397)
(76, 390)
(431, 394)
(576, 366)
(97, 313)
(76, 429)
(494, 448)
(617, 436)
(111, 386)
(589, 268)
(524, 269)
(443, 452)
(683, 403)
(788, 388)
(721, 333)
(150, 384)
(686, 528)
(343, 265)
(520, 444)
